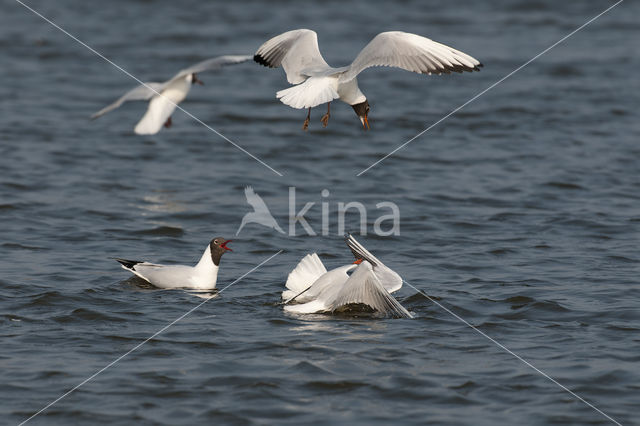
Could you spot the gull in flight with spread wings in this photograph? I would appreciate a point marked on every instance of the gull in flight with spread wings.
(316, 83)
(166, 96)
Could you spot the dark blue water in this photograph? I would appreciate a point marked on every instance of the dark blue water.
(520, 213)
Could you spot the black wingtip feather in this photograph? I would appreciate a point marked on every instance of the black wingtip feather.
(356, 251)
(262, 61)
(129, 264)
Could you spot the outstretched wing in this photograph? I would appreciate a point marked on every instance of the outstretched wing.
(309, 269)
(389, 278)
(412, 53)
(213, 64)
(143, 92)
(297, 51)
(363, 287)
(359, 252)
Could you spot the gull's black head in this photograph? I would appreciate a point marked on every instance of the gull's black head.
(218, 247)
(194, 79)
(362, 109)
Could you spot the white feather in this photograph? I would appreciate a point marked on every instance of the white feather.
(312, 307)
(410, 52)
(313, 92)
(388, 277)
(296, 51)
(161, 107)
(363, 287)
(308, 270)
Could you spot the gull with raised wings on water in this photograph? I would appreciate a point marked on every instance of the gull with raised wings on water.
(166, 96)
(317, 83)
(365, 282)
(202, 276)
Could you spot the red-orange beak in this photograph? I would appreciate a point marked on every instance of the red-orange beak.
(358, 261)
(365, 122)
(224, 245)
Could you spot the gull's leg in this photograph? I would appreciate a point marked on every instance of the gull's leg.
(325, 118)
(167, 123)
(305, 126)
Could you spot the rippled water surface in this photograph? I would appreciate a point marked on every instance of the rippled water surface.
(520, 214)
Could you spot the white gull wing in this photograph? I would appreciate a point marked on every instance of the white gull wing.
(212, 64)
(143, 92)
(328, 285)
(389, 278)
(363, 287)
(297, 51)
(412, 53)
(308, 270)
(324, 289)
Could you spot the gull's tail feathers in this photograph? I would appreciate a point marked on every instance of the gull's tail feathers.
(313, 92)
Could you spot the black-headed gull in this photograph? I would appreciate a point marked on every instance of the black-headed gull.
(370, 283)
(317, 83)
(166, 96)
(202, 276)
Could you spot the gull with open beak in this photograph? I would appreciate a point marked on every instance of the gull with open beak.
(316, 83)
(166, 96)
(365, 282)
(202, 276)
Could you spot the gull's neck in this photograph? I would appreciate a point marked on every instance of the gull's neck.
(350, 93)
(206, 264)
